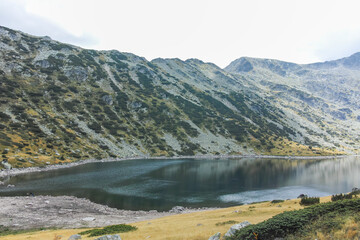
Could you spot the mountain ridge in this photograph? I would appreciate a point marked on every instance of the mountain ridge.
(63, 103)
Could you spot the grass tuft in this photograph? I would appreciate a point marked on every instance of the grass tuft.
(225, 223)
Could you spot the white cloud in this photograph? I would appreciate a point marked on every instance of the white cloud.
(14, 15)
(215, 31)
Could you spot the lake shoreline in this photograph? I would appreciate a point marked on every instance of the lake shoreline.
(18, 171)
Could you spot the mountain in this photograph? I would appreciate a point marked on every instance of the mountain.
(324, 97)
(62, 103)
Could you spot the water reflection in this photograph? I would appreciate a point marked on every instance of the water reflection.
(162, 184)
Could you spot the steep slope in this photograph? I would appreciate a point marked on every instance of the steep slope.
(322, 97)
(62, 103)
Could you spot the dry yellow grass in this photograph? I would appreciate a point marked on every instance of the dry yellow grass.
(195, 226)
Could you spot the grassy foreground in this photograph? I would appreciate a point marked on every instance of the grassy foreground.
(197, 226)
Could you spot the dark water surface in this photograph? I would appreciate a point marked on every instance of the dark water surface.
(162, 184)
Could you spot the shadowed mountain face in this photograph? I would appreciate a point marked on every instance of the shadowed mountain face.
(63, 103)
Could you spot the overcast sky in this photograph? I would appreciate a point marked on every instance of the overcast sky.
(214, 31)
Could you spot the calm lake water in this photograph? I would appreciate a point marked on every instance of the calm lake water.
(162, 184)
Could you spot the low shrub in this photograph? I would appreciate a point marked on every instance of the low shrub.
(277, 201)
(109, 230)
(306, 201)
(290, 222)
(341, 196)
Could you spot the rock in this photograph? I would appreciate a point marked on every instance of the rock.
(88, 219)
(47, 202)
(109, 237)
(107, 99)
(6, 165)
(2, 183)
(177, 209)
(43, 64)
(216, 236)
(75, 237)
(236, 227)
(302, 196)
(10, 186)
(135, 105)
(77, 73)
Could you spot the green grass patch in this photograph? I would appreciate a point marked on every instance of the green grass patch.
(121, 228)
(277, 201)
(7, 231)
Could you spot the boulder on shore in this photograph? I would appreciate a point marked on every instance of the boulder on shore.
(236, 227)
(177, 209)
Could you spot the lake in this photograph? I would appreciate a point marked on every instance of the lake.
(162, 184)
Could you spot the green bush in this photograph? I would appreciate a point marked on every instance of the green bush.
(290, 222)
(306, 201)
(277, 201)
(109, 230)
(341, 196)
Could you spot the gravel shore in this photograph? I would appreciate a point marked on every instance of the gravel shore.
(68, 212)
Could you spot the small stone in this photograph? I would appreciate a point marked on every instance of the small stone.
(75, 237)
(47, 202)
(88, 219)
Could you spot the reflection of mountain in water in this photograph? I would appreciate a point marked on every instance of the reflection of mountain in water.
(162, 184)
(332, 175)
(339, 175)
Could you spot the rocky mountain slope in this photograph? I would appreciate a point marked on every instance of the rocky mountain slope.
(323, 98)
(62, 103)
